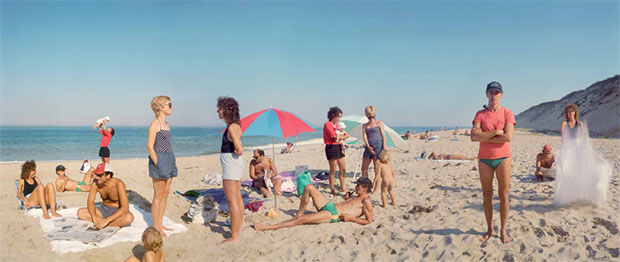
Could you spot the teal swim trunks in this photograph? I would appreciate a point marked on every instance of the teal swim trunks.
(78, 188)
(332, 209)
(493, 163)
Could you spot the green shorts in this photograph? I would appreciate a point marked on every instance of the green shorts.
(493, 163)
(331, 209)
(78, 187)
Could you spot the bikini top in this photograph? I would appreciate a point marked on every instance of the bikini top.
(28, 188)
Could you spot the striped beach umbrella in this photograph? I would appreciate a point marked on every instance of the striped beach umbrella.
(274, 123)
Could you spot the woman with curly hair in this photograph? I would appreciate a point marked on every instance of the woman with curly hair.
(333, 149)
(232, 163)
(33, 192)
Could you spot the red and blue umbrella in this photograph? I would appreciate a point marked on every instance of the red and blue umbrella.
(274, 123)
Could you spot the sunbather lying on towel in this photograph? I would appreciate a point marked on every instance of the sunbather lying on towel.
(327, 212)
(64, 183)
(435, 156)
(115, 208)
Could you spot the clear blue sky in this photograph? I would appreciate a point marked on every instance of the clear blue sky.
(419, 63)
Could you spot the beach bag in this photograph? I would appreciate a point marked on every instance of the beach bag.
(212, 179)
(303, 180)
(204, 210)
(288, 185)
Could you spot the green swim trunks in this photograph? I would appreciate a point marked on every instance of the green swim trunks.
(332, 209)
(78, 187)
(493, 163)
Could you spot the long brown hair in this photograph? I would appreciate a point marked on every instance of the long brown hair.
(573, 107)
(231, 109)
(28, 167)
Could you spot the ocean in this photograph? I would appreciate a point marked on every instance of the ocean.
(21, 143)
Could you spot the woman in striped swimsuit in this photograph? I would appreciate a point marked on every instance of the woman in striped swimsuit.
(162, 163)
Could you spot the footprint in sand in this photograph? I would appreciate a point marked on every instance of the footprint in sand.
(610, 226)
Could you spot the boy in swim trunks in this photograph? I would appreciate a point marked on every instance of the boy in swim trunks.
(327, 212)
(64, 183)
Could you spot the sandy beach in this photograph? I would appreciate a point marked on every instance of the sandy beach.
(448, 229)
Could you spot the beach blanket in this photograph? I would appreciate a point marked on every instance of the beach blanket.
(219, 197)
(54, 227)
(288, 176)
(443, 160)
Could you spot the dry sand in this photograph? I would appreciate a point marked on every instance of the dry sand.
(450, 232)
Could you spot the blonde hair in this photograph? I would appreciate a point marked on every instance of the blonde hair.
(384, 157)
(152, 240)
(370, 111)
(158, 102)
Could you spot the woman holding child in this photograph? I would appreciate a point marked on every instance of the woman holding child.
(232, 163)
(374, 138)
(333, 149)
(162, 163)
(493, 127)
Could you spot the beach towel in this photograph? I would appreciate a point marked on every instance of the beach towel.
(219, 197)
(287, 177)
(133, 232)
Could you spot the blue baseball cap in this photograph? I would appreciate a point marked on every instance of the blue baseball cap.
(495, 86)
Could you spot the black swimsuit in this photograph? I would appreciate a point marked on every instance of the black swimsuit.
(28, 188)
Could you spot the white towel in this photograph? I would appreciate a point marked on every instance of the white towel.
(141, 221)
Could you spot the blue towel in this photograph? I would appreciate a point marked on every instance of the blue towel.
(219, 197)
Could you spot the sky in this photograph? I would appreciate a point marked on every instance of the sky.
(419, 63)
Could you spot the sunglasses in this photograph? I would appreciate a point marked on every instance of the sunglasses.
(170, 104)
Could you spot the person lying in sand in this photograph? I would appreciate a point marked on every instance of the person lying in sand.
(33, 192)
(435, 156)
(544, 164)
(349, 210)
(261, 166)
(64, 183)
(287, 149)
(115, 208)
(153, 242)
(386, 176)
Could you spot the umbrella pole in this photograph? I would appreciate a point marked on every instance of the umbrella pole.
(357, 165)
(273, 152)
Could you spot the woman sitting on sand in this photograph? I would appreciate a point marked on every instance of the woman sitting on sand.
(435, 156)
(493, 127)
(31, 190)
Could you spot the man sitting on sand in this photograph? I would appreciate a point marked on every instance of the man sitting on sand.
(544, 164)
(327, 212)
(435, 156)
(115, 208)
(261, 166)
(64, 183)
